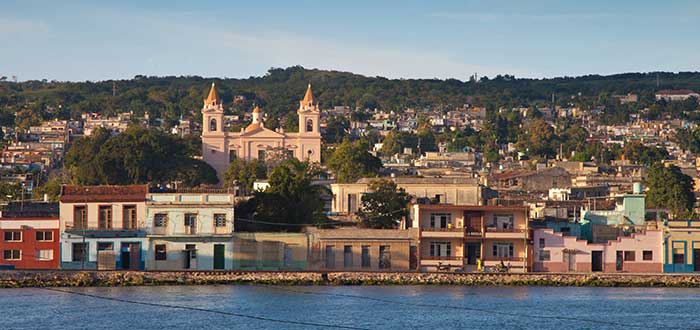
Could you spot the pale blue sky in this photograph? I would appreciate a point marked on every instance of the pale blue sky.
(96, 40)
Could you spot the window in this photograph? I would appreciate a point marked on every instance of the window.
(192, 249)
(212, 125)
(79, 217)
(261, 154)
(160, 252)
(678, 253)
(160, 220)
(544, 255)
(43, 255)
(309, 125)
(105, 246)
(629, 255)
(220, 220)
(105, 217)
(647, 255)
(440, 249)
(330, 256)
(231, 155)
(13, 236)
(12, 255)
(365, 256)
(44, 236)
(440, 220)
(384, 256)
(347, 256)
(541, 243)
(79, 252)
(503, 221)
(503, 250)
(130, 217)
(190, 223)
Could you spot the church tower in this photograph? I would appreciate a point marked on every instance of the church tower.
(212, 112)
(309, 114)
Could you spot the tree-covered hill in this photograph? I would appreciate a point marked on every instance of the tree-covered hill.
(279, 90)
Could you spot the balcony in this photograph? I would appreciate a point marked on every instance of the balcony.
(449, 232)
(473, 231)
(98, 232)
(507, 233)
(441, 260)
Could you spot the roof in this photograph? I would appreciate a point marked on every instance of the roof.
(407, 180)
(30, 210)
(308, 97)
(494, 208)
(252, 127)
(213, 97)
(524, 173)
(85, 194)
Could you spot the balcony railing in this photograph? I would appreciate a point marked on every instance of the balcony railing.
(70, 227)
(504, 230)
(472, 231)
(441, 258)
(448, 229)
(504, 259)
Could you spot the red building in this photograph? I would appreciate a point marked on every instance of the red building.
(29, 239)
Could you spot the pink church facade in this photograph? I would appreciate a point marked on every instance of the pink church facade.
(220, 147)
(638, 253)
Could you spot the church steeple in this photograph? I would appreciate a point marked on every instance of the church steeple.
(308, 98)
(213, 98)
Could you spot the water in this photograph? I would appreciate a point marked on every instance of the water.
(407, 307)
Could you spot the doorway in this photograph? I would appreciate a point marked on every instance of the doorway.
(473, 253)
(597, 261)
(619, 260)
(696, 260)
(219, 256)
(131, 256)
(190, 254)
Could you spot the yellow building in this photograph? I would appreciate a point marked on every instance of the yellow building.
(681, 246)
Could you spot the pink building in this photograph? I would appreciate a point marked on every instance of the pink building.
(638, 253)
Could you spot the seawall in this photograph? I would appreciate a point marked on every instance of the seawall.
(18, 279)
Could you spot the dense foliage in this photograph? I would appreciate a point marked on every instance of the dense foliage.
(350, 161)
(138, 155)
(384, 205)
(669, 188)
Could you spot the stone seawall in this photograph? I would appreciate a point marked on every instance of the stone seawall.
(18, 279)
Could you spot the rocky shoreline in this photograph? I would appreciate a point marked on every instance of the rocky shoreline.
(24, 279)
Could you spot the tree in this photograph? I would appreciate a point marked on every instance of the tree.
(52, 189)
(669, 188)
(244, 173)
(384, 205)
(350, 161)
(291, 200)
(637, 152)
(337, 128)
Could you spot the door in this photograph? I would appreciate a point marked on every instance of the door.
(696, 260)
(619, 260)
(126, 257)
(219, 256)
(572, 262)
(473, 251)
(135, 256)
(597, 261)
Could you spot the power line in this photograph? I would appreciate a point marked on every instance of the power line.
(482, 310)
(254, 317)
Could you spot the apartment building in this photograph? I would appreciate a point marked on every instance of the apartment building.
(103, 227)
(469, 237)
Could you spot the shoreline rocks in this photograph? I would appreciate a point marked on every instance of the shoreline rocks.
(28, 279)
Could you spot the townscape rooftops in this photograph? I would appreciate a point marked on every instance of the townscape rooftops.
(78, 194)
(409, 180)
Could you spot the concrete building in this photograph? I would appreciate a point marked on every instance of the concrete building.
(103, 227)
(681, 246)
(190, 229)
(464, 237)
(255, 141)
(29, 243)
(270, 251)
(347, 197)
(356, 249)
(676, 95)
(638, 253)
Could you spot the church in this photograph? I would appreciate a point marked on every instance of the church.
(220, 147)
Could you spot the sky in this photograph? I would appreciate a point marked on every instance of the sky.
(100, 40)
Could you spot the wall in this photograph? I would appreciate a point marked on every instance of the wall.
(68, 239)
(252, 251)
(29, 246)
(556, 244)
(175, 255)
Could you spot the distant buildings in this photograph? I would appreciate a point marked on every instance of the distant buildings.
(676, 95)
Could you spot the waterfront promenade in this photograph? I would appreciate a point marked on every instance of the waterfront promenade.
(17, 279)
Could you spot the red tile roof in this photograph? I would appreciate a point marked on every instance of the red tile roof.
(84, 194)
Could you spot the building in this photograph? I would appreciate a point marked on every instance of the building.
(189, 229)
(355, 249)
(676, 95)
(465, 237)
(639, 252)
(257, 141)
(347, 197)
(681, 246)
(270, 251)
(103, 227)
(535, 180)
(29, 234)
(603, 225)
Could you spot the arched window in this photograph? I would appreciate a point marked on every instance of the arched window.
(212, 125)
(309, 125)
